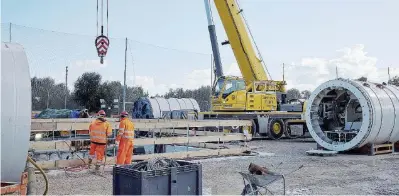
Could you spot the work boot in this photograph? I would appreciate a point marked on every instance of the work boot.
(97, 168)
(90, 161)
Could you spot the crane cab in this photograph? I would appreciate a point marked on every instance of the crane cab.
(231, 93)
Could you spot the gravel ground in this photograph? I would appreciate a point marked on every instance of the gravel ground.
(341, 174)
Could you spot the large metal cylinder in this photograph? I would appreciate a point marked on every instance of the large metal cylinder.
(150, 108)
(345, 114)
(15, 111)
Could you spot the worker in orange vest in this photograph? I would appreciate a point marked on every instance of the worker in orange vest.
(99, 129)
(125, 139)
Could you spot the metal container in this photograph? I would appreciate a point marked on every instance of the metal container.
(344, 114)
(15, 111)
(183, 180)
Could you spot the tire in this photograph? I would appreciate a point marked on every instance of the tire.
(287, 133)
(276, 129)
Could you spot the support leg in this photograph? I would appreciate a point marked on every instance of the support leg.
(31, 186)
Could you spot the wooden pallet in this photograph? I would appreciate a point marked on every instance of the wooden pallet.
(381, 149)
(7, 188)
(371, 149)
(57, 164)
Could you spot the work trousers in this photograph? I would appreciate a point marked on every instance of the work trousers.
(97, 151)
(125, 152)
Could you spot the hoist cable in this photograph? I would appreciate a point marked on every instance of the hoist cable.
(107, 18)
(102, 16)
(97, 18)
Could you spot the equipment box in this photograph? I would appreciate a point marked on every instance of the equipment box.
(186, 179)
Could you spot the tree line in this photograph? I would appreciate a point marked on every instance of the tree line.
(392, 81)
(89, 89)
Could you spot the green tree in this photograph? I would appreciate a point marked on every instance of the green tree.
(362, 79)
(394, 81)
(305, 94)
(47, 94)
(109, 91)
(41, 92)
(87, 91)
(293, 94)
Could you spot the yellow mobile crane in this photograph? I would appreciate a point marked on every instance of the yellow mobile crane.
(253, 96)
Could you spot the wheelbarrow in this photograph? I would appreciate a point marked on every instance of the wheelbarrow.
(259, 178)
(253, 183)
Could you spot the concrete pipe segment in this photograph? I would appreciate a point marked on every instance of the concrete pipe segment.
(345, 114)
(15, 111)
(150, 108)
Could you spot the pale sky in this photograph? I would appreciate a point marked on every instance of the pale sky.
(169, 42)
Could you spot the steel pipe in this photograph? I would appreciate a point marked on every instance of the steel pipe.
(345, 114)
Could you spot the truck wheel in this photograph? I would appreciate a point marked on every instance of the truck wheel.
(276, 129)
(287, 132)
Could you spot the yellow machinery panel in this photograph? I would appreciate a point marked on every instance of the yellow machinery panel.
(269, 102)
(261, 102)
(254, 101)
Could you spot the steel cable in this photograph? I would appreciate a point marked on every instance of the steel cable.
(156, 163)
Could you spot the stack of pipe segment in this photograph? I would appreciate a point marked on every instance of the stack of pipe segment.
(379, 113)
(154, 108)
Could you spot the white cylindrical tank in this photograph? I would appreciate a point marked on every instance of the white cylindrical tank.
(182, 104)
(174, 104)
(344, 114)
(157, 107)
(163, 105)
(195, 104)
(15, 111)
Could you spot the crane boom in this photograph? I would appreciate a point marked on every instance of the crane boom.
(250, 65)
(214, 41)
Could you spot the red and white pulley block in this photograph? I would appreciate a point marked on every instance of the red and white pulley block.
(102, 44)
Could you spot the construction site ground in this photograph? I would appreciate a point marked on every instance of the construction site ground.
(341, 174)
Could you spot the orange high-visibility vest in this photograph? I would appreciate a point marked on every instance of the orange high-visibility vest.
(99, 130)
(126, 129)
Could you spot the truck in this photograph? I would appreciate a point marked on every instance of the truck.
(254, 96)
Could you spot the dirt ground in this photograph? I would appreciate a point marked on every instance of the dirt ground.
(341, 174)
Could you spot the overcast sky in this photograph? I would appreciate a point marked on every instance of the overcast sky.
(169, 42)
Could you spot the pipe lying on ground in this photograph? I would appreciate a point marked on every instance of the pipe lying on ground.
(346, 114)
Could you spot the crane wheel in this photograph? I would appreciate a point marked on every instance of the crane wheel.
(276, 129)
(288, 133)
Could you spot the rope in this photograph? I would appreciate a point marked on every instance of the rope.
(131, 55)
(102, 13)
(74, 169)
(156, 163)
(107, 18)
(97, 18)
